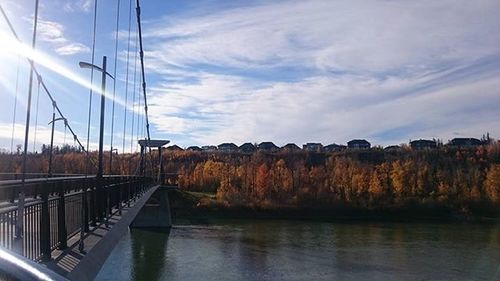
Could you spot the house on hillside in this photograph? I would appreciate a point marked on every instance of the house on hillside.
(175, 148)
(227, 147)
(423, 144)
(464, 142)
(358, 144)
(267, 146)
(334, 147)
(290, 147)
(247, 148)
(392, 148)
(312, 147)
(193, 148)
(209, 148)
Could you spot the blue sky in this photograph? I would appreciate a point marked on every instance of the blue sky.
(284, 71)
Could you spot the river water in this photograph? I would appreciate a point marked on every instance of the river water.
(303, 250)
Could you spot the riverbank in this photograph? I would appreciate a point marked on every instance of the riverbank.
(199, 207)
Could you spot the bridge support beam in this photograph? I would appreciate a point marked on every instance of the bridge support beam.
(156, 212)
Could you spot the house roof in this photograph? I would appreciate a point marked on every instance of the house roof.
(313, 143)
(228, 144)
(465, 141)
(267, 144)
(423, 141)
(391, 147)
(291, 146)
(247, 145)
(194, 147)
(358, 141)
(334, 145)
(174, 147)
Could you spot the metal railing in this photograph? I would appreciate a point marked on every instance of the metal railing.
(58, 208)
(17, 176)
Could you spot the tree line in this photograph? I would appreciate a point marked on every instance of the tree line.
(464, 179)
(461, 179)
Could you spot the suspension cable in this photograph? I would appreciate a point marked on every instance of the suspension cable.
(36, 116)
(114, 75)
(15, 105)
(141, 54)
(126, 76)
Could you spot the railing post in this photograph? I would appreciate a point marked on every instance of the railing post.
(85, 206)
(99, 198)
(92, 212)
(120, 195)
(106, 191)
(62, 235)
(128, 191)
(45, 225)
(161, 178)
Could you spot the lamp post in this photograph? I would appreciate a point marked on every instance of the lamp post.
(103, 99)
(99, 179)
(54, 120)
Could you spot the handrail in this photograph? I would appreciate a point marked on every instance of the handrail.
(53, 179)
(19, 268)
(66, 206)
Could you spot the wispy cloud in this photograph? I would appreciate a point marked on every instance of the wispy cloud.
(326, 71)
(78, 6)
(53, 33)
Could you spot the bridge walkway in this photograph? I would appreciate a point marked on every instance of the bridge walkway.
(98, 243)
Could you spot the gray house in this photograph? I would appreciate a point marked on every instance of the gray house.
(227, 147)
(290, 147)
(247, 147)
(464, 142)
(312, 147)
(423, 144)
(334, 147)
(267, 146)
(358, 144)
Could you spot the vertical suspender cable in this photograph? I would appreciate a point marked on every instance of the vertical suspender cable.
(20, 207)
(15, 106)
(114, 86)
(135, 93)
(36, 115)
(138, 117)
(87, 161)
(126, 77)
(91, 83)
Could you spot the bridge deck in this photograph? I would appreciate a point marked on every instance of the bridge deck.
(98, 244)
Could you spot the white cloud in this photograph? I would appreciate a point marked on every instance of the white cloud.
(72, 48)
(332, 35)
(53, 33)
(327, 71)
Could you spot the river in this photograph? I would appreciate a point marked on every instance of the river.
(304, 250)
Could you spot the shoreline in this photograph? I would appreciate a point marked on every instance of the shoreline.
(186, 206)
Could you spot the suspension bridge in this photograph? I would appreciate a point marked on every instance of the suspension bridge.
(70, 222)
